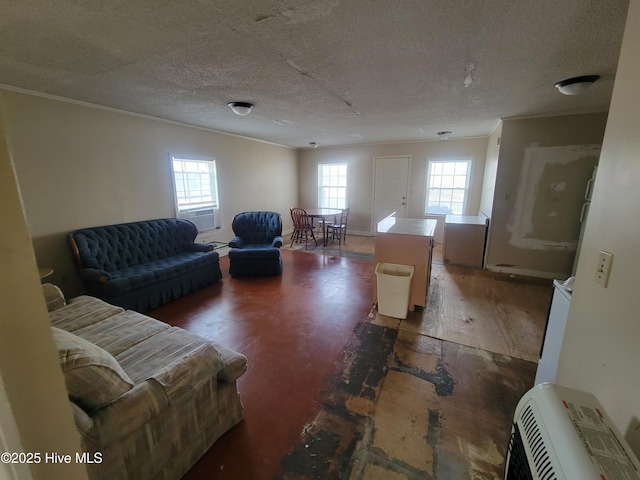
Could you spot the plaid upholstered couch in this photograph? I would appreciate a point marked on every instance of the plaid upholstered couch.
(150, 399)
(141, 265)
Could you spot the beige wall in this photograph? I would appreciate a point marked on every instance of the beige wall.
(535, 226)
(80, 166)
(490, 171)
(360, 160)
(35, 413)
(600, 352)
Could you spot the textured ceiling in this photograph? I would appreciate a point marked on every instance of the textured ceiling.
(329, 71)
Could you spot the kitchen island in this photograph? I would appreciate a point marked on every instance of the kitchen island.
(406, 241)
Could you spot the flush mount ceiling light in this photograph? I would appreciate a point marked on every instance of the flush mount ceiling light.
(241, 108)
(313, 144)
(575, 85)
(444, 135)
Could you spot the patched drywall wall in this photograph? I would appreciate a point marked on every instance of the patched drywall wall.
(550, 195)
(543, 168)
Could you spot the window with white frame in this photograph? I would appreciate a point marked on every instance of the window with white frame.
(196, 190)
(447, 186)
(332, 185)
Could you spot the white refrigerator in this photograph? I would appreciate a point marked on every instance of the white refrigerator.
(554, 332)
(584, 213)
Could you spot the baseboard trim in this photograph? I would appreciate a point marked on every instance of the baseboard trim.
(526, 273)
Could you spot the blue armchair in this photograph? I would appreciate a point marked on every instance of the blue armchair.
(255, 249)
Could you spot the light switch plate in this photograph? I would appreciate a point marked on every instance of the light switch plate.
(603, 268)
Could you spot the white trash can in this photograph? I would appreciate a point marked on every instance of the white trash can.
(394, 289)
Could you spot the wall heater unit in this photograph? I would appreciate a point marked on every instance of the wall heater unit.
(560, 433)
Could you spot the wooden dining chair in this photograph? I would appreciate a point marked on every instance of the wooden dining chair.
(302, 227)
(338, 230)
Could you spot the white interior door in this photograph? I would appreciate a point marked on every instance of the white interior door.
(391, 178)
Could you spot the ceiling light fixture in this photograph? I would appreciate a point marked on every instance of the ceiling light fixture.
(444, 135)
(241, 108)
(575, 85)
(313, 144)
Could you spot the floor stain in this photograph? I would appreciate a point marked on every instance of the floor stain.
(396, 411)
(440, 378)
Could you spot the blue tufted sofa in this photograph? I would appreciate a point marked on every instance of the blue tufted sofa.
(141, 265)
(255, 250)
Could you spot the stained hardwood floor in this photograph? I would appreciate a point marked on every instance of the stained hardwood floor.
(438, 389)
(499, 313)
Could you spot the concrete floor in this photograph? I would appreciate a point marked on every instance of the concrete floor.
(334, 390)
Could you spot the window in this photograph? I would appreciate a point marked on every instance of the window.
(332, 185)
(195, 181)
(447, 186)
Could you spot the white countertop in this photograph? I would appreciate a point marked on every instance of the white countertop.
(466, 219)
(407, 226)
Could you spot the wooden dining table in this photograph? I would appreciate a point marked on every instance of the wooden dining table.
(324, 214)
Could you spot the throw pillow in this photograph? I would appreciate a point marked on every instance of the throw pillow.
(92, 376)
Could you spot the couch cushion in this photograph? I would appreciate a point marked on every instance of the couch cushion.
(147, 358)
(82, 311)
(254, 252)
(158, 271)
(92, 376)
(121, 331)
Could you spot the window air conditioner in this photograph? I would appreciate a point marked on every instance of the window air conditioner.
(206, 219)
(560, 433)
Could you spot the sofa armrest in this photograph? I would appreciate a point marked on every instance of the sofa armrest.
(53, 297)
(234, 364)
(95, 280)
(277, 242)
(123, 416)
(181, 377)
(199, 247)
(236, 242)
(94, 275)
